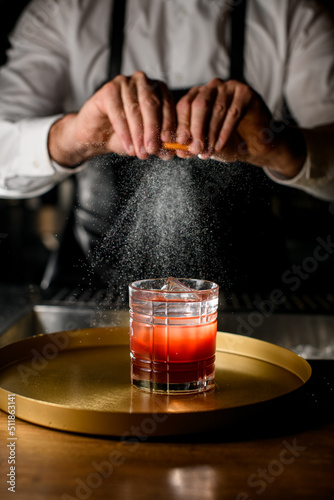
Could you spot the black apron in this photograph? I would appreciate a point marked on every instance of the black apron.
(188, 218)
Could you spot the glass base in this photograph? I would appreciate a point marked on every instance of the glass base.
(179, 388)
(173, 378)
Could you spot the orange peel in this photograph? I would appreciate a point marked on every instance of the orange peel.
(174, 146)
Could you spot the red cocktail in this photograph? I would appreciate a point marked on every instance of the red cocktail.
(173, 335)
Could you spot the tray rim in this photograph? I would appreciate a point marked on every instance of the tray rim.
(179, 423)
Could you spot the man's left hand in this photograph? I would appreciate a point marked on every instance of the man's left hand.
(228, 121)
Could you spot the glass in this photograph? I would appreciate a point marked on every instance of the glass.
(173, 335)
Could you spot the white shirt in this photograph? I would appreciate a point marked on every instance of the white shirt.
(60, 52)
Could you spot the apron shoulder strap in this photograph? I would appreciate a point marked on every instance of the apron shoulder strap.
(116, 38)
(238, 28)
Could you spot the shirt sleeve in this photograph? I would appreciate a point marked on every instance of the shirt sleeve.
(317, 175)
(27, 169)
(309, 93)
(33, 87)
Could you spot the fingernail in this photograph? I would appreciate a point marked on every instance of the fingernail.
(131, 150)
(219, 144)
(197, 145)
(166, 136)
(142, 151)
(182, 138)
(152, 144)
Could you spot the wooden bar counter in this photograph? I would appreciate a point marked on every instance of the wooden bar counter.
(286, 453)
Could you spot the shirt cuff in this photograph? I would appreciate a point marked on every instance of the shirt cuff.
(317, 174)
(68, 170)
(300, 178)
(34, 149)
(32, 172)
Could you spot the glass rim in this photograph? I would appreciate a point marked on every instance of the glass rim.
(206, 290)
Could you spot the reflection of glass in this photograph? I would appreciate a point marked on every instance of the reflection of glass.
(202, 478)
(173, 327)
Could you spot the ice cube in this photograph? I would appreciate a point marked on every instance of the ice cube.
(173, 285)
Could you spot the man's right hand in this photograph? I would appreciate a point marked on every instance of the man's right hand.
(128, 116)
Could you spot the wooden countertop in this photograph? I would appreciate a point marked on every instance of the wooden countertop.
(282, 455)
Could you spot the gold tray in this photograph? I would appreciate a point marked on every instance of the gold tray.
(79, 381)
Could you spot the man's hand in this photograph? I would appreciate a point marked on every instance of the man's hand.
(228, 121)
(127, 116)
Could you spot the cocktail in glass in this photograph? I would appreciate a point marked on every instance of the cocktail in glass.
(173, 327)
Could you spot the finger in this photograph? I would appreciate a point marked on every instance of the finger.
(184, 154)
(112, 102)
(235, 150)
(200, 115)
(165, 155)
(168, 124)
(240, 102)
(151, 111)
(217, 118)
(183, 113)
(134, 117)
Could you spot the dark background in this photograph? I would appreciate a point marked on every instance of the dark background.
(29, 228)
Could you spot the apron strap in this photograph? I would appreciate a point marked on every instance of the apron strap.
(238, 18)
(116, 38)
(238, 41)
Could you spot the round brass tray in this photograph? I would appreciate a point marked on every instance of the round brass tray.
(79, 381)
